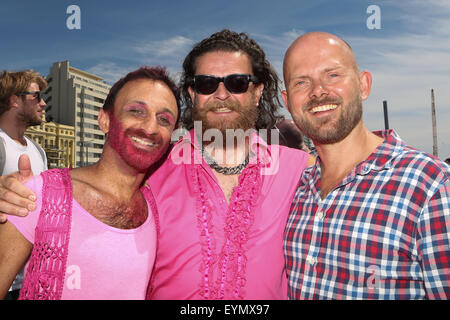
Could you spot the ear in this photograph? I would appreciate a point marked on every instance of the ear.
(259, 91)
(104, 121)
(192, 94)
(365, 84)
(14, 101)
(284, 96)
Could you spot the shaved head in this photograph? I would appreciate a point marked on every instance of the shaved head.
(315, 43)
(324, 87)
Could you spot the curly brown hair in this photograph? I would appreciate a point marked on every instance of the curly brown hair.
(230, 41)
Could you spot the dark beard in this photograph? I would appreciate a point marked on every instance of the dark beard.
(350, 117)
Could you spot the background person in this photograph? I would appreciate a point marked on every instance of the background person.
(21, 106)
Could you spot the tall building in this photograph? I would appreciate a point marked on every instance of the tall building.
(74, 98)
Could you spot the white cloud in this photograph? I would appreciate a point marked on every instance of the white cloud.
(168, 47)
(109, 71)
(405, 68)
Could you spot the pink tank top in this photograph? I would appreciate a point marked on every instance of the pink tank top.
(76, 256)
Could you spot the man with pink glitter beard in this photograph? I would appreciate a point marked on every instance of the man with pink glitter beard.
(87, 221)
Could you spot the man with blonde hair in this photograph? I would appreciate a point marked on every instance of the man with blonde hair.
(21, 106)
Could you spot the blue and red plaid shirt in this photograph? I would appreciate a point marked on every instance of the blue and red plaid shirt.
(382, 233)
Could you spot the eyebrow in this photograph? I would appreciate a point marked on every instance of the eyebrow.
(137, 102)
(167, 110)
(324, 70)
(332, 68)
(164, 110)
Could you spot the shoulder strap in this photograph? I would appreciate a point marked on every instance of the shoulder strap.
(40, 149)
(2, 155)
(46, 271)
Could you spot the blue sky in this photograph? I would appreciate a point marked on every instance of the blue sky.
(407, 57)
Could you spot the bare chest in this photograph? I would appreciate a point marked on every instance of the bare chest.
(227, 184)
(117, 214)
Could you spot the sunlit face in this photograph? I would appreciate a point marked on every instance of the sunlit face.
(224, 110)
(323, 91)
(141, 125)
(31, 110)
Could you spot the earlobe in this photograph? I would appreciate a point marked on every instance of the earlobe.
(191, 94)
(103, 121)
(260, 89)
(365, 84)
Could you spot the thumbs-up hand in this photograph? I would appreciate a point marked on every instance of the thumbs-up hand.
(15, 198)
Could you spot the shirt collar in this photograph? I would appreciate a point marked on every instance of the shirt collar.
(380, 159)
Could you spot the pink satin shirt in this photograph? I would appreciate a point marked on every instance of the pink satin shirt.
(209, 249)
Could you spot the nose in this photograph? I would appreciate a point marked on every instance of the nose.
(42, 102)
(150, 125)
(222, 93)
(318, 90)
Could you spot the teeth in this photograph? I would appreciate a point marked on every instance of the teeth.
(143, 142)
(222, 110)
(324, 108)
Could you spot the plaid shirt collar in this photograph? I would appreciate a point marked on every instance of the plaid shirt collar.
(380, 159)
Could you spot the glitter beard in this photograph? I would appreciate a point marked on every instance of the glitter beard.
(120, 141)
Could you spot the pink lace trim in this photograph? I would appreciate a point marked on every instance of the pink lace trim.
(47, 268)
(224, 273)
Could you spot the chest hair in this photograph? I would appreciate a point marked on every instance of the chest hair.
(111, 211)
(227, 184)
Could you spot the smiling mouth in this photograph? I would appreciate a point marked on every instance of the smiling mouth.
(221, 110)
(144, 142)
(326, 107)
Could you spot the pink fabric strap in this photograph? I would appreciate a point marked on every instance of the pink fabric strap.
(47, 267)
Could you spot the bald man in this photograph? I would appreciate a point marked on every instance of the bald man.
(371, 218)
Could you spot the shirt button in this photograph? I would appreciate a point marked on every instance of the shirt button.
(320, 215)
(311, 261)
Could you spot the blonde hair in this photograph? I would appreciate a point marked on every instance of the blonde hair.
(15, 82)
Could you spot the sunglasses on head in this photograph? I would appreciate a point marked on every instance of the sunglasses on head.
(235, 83)
(36, 94)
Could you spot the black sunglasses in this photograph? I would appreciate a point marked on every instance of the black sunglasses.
(235, 83)
(37, 94)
